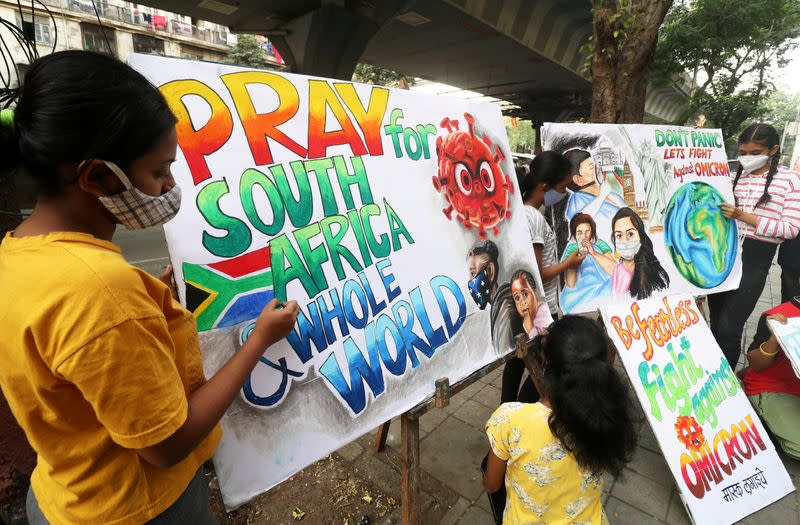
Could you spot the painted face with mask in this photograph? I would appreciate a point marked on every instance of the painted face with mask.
(583, 232)
(627, 241)
(481, 280)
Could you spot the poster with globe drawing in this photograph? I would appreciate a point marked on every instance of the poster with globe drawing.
(643, 207)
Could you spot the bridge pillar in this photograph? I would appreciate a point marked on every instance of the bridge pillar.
(329, 41)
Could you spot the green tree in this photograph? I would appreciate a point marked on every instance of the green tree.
(622, 48)
(729, 48)
(248, 52)
(379, 76)
(521, 135)
(778, 109)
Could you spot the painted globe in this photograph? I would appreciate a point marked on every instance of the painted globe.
(700, 240)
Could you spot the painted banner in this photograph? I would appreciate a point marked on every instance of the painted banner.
(722, 459)
(393, 218)
(643, 206)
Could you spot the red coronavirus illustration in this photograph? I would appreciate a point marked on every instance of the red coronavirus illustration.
(689, 432)
(471, 178)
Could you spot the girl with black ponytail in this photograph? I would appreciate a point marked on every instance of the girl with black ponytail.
(551, 456)
(767, 211)
(98, 362)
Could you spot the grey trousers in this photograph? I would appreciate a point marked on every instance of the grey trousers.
(191, 508)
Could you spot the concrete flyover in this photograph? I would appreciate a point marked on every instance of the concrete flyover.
(526, 52)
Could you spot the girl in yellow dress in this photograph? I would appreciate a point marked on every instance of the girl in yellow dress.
(551, 456)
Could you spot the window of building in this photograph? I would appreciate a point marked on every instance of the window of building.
(39, 27)
(192, 52)
(148, 44)
(94, 39)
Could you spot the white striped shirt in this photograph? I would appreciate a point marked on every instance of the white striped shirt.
(778, 218)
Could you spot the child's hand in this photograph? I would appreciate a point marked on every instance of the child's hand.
(778, 317)
(729, 211)
(275, 321)
(574, 259)
(588, 246)
(168, 278)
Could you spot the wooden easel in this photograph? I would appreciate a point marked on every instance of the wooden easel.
(409, 437)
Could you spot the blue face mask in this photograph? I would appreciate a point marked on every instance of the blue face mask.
(479, 288)
(553, 197)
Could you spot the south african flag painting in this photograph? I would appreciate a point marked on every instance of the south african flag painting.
(228, 292)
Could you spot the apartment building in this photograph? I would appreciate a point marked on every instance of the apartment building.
(128, 27)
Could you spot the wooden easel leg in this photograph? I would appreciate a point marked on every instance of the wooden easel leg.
(410, 467)
(380, 437)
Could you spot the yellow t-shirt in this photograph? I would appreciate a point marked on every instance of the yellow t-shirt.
(96, 361)
(543, 482)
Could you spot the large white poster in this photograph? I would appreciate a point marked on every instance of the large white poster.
(643, 206)
(722, 459)
(393, 218)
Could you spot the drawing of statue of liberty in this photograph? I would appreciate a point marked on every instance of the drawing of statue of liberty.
(656, 178)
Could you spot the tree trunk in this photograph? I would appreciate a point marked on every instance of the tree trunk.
(623, 54)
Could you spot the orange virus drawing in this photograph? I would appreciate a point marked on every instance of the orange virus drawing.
(471, 178)
(690, 433)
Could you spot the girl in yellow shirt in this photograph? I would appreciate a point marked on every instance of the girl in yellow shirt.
(551, 456)
(99, 364)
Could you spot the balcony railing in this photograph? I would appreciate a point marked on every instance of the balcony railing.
(150, 22)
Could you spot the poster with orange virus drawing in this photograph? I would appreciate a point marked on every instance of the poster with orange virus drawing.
(714, 443)
(392, 217)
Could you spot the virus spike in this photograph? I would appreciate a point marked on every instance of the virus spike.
(448, 124)
(471, 122)
(481, 232)
(488, 144)
(437, 183)
(508, 215)
(448, 212)
(496, 231)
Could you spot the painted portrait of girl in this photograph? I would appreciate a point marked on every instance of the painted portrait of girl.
(528, 305)
(638, 272)
(590, 280)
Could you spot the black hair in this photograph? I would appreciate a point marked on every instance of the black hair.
(528, 276)
(487, 248)
(583, 218)
(576, 158)
(79, 105)
(648, 274)
(767, 136)
(547, 167)
(592, 414)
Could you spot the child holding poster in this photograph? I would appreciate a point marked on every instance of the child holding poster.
(99, 364)
(767, 210)
(773, 388)
(555, 452)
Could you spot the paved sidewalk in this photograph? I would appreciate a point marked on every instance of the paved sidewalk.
(355, 482)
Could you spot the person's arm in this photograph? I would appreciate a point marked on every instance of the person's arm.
(762, 360)
(551, 272)
(763, 356)
(208, 403)
(786, 227)
(606, 262)
(495, 473)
